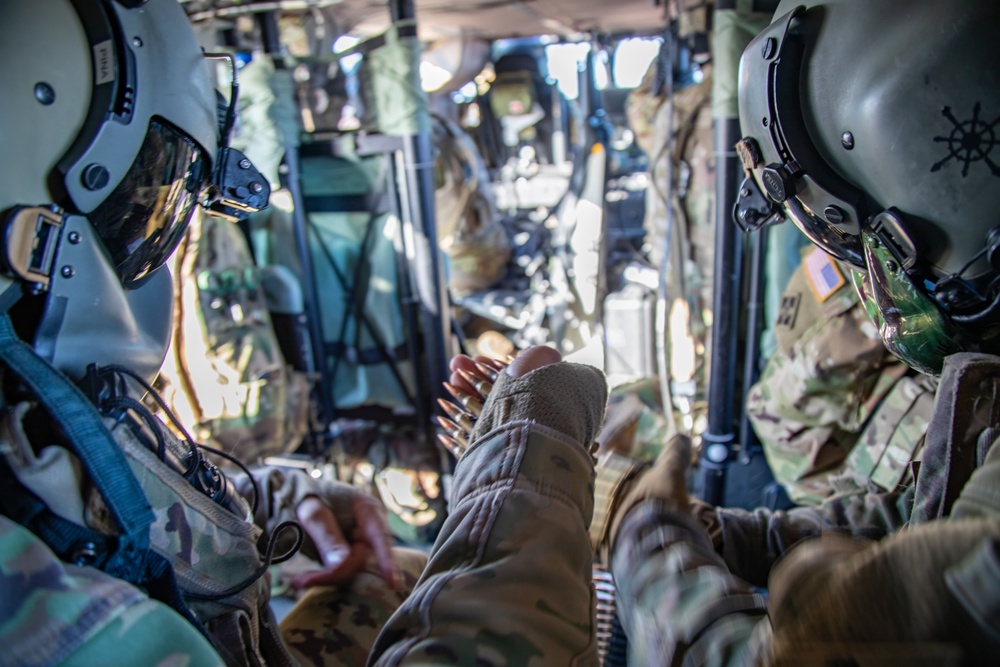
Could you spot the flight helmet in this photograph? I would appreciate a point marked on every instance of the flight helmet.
(112, 137)
(875, 127)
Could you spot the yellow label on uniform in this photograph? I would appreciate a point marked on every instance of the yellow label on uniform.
(823, 274)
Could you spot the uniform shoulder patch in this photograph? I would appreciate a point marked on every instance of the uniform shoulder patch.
(789, 310)
(822, 274)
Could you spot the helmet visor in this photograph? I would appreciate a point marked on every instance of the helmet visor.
(144, 218)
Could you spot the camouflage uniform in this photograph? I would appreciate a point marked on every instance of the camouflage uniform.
(922, 594)
(509, 578)
(833, 408)
(54, 613)
(508, 581)
(100, 617)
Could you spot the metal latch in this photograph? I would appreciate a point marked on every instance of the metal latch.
(31, 236)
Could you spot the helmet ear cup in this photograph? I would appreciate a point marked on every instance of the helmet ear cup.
(124, 327)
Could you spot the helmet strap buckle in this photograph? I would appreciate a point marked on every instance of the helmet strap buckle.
(31, 237)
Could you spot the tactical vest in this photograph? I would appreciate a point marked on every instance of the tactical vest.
(119, 492)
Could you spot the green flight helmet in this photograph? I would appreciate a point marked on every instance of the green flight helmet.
(875, 127)
(110, 135)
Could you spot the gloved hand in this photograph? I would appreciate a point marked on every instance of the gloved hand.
(934, 583)
(536, 386)
(665, 480)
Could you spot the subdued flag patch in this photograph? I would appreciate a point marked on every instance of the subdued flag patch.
(823, 274)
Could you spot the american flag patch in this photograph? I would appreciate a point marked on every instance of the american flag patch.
(823, 275)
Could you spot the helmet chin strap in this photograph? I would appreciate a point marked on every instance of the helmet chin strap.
(90, 318)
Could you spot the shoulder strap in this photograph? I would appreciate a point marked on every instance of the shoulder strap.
(89, 437)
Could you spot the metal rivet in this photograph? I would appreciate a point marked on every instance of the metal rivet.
(256, 187)
(834, 215)
(95, 176)
(847, 140)
(67, 271)
(73, 237)
(137, 42)
(745, 192)
(244, 163)
(891, 266)
(763, 121)
(44, 93)
(769, 48)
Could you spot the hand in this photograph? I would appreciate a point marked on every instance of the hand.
(665, 480)
(537, 386)
(469, 383)
(343, 559)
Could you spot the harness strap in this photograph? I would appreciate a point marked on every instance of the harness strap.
(90, 438)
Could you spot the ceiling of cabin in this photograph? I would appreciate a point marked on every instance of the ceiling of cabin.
(483, 18)
(513, 18)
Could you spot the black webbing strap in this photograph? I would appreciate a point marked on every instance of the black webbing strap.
(93, 444)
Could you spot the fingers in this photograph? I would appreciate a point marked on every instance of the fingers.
(340, 561)
(341, 575)
(343, 560)
(467, 373)
(471, 382)
(373, 530)
(322, 528)
(532, 359)
(673, 462)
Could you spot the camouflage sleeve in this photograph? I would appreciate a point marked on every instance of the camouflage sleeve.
(979, 497)
(751, 541)
(509, 578)
(54, 613)
(678, 602)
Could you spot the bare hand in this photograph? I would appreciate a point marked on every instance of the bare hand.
(343, 559)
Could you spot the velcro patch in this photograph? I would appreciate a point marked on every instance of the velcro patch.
(823, 274)
(789, 309)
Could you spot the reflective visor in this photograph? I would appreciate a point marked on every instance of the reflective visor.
(144, 219)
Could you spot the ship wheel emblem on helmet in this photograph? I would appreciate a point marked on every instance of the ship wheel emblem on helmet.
(970, 141)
